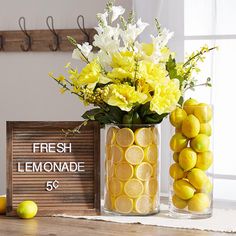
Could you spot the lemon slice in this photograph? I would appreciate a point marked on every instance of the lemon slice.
(155, 201)
(133, 188)
(108, 152)
(143, 204)
(111, 135)
(155, 170)
(144, 171)
(155, 135)
(116, 153)
(109, 201)
(123, 204)
(143, 137)
(115, 187)
(151, 153)
(124, 171)
(125, 137)
(134, 154)
(110, 169)
(151, 187)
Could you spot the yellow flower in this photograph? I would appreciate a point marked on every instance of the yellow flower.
(120, 74)
(62, 90)
(166, 97)
(90, 75)
(123, 96)
(152, 73)
(148, 48)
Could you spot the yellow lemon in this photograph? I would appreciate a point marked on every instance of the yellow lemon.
(197, 178)
(200, 143)
(134, 155)
(178, 142)
(143, 205)
(110, 169)
(155, 135)
(125, 137)
(183, 189)
(176, 157)
(133, 188)
(205, 128)
(3, 204)
(189, 105)
(123, 204)
(204, 160)
(143, 137)
(124, 171)
(178, 202)
(207, 188)
(199, 202)
(187, 158)
(144, 171)
(111, 135)
(191, 126)
(116, 154)
(203, 112)
(115, 187)
(151, 187)
(176, 171)
(27, 209)
(177, 116)
(151, 153)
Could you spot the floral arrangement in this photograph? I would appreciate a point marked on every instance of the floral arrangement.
(128, 81)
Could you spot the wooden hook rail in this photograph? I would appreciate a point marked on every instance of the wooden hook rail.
(44, 40)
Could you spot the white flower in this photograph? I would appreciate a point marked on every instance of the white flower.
(132, 32)
(82, 51)
(103, 17)
(116, 12)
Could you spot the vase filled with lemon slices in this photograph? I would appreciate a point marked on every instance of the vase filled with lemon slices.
(191, 168)
(132, 169)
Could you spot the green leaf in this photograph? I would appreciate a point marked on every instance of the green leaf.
(155, 119)
(181, 101)
(115, 114)
(144, 110)
(90, 114)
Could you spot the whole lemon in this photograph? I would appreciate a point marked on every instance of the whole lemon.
(176, 171)
(197, 178)
(204, 160)
(176, 157)
(207, 188)
(3, 204)
(178, 142)
(27, 209)
(200, 143)
(177, 116)
(187, 158)
(203, 112)
(199, 202)
(189, 105)
(205, 128)
(191, 126)
(178, 202)
(183, 189)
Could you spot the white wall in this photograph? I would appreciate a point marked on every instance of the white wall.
(26, 91)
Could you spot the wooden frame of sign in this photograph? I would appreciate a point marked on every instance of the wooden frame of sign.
(60, 173)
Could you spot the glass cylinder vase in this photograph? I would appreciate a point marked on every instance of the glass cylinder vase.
(132, 169)
(191, 167)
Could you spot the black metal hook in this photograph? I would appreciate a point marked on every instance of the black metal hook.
(82, 28)
(27, 41)
(1, 43)
(56, 43)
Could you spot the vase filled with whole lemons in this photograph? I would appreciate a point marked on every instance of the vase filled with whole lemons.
(132, 86)
(191, 169)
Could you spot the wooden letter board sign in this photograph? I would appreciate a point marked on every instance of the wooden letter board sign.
(60, 173)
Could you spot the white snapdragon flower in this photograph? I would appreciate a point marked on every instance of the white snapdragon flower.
(82, 51)
(116, 12)
(103, 17)
(132, 32)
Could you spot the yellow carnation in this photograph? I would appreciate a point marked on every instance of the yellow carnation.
(90, 74)
(148, 48)
(123, 96)
(153, 74)
(166, 97)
